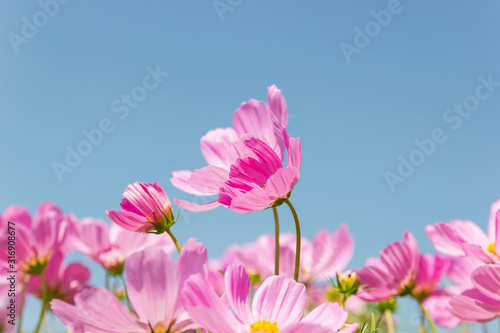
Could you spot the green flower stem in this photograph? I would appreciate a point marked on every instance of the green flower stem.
(174, 240)
(44, 303)
(21, 305)
(388, 320)
(107, 281)
(126, 293)
(297, 249)
(429, 319)
(276, 242)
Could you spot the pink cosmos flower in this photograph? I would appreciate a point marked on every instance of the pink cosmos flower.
(458, 238)
(438, 303)
(63, 282)
(257, 179)
(145, 207)
(153, 281)
(393, 273)
(278, 305)
(328, 254)
(37, 239)
(482, 303)
(431, 270)
(252, 119)
(110, 245)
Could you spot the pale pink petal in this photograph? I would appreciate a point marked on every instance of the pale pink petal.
(444, 239)
(237, 283)
(495, 207)
(208, 180)
(279, 299)
(129, 221)
(254, 118)
(469, 232)
(295, 153)
(477, 251)
(497, 232)
(438, 306)
(473, 306)
(329, 315)
(331, 253)
(97, 310)
(282, 182)
(206, 308)
(193, 259)
(180, 179)
(461, 269)
(448, 237)
(216, 146)
(18, 215)
(306, 328)
(128, 242)
(194, 207)
(277, 104)
(487, 280)
(152, 285)
(251, 201)
(95, 235)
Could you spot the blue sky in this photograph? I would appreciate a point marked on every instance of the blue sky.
(358, 113)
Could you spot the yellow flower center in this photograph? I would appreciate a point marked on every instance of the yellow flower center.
(160, 328)
(491, 248)
(264, 326)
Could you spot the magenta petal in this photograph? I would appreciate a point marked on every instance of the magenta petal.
(216, 146)
(398, 259)
(194, 207)
(237, 283)
(330, 315)
(152, 285)
(266, 155)
(282, 182)
(206, 308)
(279, 299)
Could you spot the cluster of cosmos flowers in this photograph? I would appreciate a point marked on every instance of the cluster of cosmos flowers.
(279, 283)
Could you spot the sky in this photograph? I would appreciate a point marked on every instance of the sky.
(396, 104)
